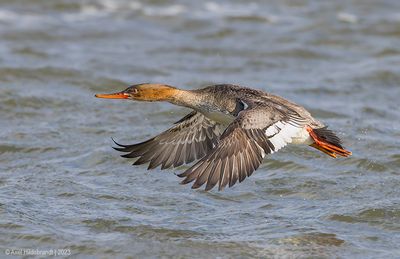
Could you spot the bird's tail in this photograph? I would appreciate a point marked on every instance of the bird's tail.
(327, 141)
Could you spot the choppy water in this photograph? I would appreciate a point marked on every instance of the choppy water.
(62, 186)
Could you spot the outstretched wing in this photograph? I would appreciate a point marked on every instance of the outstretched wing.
(257, 131)
(191, 138)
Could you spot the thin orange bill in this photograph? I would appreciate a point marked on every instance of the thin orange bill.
(119, 95)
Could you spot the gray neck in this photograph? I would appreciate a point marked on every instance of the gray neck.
(188, 98)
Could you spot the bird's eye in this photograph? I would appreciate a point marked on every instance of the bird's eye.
(134, 91)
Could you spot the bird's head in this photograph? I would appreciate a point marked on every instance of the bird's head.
(144, 92)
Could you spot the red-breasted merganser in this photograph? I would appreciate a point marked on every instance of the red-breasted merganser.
(230, 130)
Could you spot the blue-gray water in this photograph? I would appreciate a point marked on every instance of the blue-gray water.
(63, 186)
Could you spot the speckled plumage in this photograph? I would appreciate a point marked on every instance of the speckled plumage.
(256, 124)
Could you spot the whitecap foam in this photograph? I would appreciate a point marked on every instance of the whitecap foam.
(22, 20)
(101, 9)
(347, 17)
(172, 10)
(218, 10)
(231, 10)
(6, 16)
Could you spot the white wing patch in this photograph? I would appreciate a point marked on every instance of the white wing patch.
(245, 105)
(281, 133)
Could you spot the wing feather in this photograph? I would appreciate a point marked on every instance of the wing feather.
(242, 147)
(189, 139)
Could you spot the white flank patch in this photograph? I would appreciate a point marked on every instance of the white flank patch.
(302, 137)
(282, 134)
